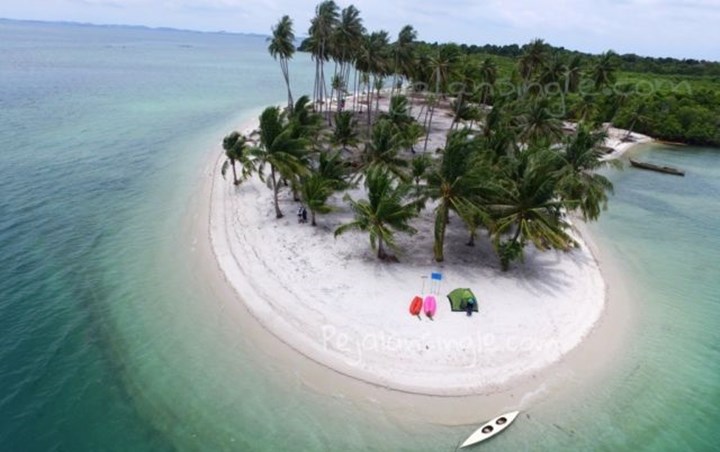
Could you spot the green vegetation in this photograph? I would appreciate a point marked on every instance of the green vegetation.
(680, 98)
(510, 166)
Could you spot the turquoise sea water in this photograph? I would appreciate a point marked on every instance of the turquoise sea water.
(111, 337)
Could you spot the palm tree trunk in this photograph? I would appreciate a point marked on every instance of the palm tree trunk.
(377, 97)
(456, 119)
(381, 251)
(286, 75)
(235, 179)
(356, 86)
(440, 226)
(429, 127)
(276, 189)
(312, 218)
(369, 108)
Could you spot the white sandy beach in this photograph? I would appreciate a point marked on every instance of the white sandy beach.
(334, 302)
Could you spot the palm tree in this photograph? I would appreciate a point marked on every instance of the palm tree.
(637, 116)
(573, 74)
(384, 212)
(463, 111)
(338, 87)
(432, 101)
(411, 135)
(579, 181)
(314, 192)
(419, 167)
(467, 73)
(372, 59)
(303, 119)
(532, 59)
(282, 47)
(234, 146)
(538, 124)
(378, 84)
(441, 64)
(382, 150)
(403, 53)
(346, 40)
(460, 183)
(488, 78)
(398, 112)
(585, 109)
(603, 72)
(280, 149)
(345, 133)
(526, 206)
(321, 30)
(332, 168)
(553, 72)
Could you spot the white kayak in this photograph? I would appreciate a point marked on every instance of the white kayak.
(491, 428)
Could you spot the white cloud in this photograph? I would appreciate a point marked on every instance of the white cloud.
(657, 27)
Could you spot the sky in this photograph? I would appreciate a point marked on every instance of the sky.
(675, 28)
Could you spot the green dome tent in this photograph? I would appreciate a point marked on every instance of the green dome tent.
(459, 299)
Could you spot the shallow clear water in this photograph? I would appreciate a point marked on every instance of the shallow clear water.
(112, 338)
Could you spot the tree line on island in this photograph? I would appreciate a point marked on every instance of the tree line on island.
(507, 167)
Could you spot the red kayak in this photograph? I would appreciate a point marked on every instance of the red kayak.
(416, 306)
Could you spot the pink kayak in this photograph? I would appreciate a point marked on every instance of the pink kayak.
(430, 306)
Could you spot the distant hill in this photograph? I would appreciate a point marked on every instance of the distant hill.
(118, 26)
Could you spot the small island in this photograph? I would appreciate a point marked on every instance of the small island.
(416, 160)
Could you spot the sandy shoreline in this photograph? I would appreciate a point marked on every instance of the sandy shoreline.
(332, 302)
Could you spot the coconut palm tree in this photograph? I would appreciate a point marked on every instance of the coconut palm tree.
(314, 192)
(346, 40)
(466, 74)
(412, 133)
(282, 47)
(338, 87)
(403, 50)
(526, 208)
(235, 146)
(573, 74)
(334, 169)
(538, 124)
(460, 183)
(321, 30)
(488, 78)
(398, 112)
(372, 59)
(603, 71)
(303, 119)
(382, 150)
(431, 100)
(385, 212)
(637, 116)
(378, 84)
(281, 150)
(553, 71)
(441, 63)
(579, 181)
(419, 167)
(532, 59)
(585, 109)
(345, 133)
(464, 111)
